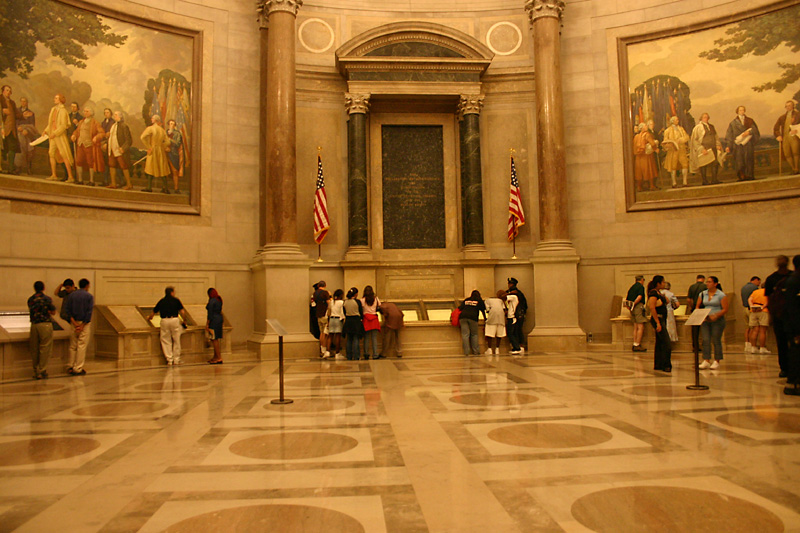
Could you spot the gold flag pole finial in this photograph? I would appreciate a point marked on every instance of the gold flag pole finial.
(511, 152)
(319, 150)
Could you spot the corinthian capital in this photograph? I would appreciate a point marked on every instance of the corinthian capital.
(356, 103)
(470, 104)
(544, 8)
(267, 7)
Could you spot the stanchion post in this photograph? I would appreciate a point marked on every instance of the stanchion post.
(275, 325)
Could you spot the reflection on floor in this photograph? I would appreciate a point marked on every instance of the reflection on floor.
(589, 441)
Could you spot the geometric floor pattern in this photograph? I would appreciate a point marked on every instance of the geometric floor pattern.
(587, 441)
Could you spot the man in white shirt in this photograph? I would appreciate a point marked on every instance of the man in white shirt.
(495, 327)
(511, 307)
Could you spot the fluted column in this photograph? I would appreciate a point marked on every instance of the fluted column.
(281, 164)
(555, 261)
(545, 17)
(358, 220)
(471, 189)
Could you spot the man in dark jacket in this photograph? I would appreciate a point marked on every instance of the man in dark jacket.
(791, 324)
(119, 142)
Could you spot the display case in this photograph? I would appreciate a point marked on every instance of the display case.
(124, 333)
(15, 354)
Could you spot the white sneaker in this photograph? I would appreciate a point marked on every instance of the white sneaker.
(705, 364)
(764, 350)
(497, 351)
(326, 355)
(339, 357)
(715, 365)
(521, 349)
(514, 352)
(750, 349)
(489, 351)
(747, 346)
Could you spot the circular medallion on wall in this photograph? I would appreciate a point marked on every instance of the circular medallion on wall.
(504, 38)
(316, 35)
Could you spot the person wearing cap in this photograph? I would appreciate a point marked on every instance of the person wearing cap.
(515, 326)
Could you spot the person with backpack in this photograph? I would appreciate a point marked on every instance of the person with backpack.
(516, 328)
(775, 291)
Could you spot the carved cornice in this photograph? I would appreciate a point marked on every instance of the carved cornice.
(544, 8)
(470, 104)
(266, 7)
(356, 103)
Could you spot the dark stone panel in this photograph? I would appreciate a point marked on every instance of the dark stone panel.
(413, 187)
(413, 49)
(357, 180)
(471, 189)
(408, 75)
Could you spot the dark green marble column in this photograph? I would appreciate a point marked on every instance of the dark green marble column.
(471, 189)
(358, 220)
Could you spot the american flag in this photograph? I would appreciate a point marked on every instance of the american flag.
(321, 222)
(516, 216)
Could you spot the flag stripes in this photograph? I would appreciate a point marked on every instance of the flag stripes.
(321, 222)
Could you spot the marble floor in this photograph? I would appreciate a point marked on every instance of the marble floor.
(589, 441)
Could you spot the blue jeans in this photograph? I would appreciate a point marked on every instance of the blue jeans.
(371, 338)
(353, 351)
(469, 336)
(712, 334)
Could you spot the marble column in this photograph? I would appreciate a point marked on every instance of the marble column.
(477, 274)
(555, 261)
(471, 191)
(358, 220)
(359, 269)
(280, 269)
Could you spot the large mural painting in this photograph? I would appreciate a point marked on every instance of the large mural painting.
(97, 109)
(710, 116)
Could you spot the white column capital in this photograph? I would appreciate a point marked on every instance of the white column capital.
(537, 9)
(470, 104)
(266, 7)
(357, 103)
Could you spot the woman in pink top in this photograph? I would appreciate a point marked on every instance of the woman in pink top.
(372, 324)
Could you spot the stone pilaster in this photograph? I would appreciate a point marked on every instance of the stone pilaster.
(555, 260)
(358, 210)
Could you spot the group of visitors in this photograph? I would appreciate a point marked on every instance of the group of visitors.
(775, 300)
(346, 315)
(504, 315)
(765, 303)
(77, 306)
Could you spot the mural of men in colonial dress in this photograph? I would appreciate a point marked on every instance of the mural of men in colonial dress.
(788, 137)
(741, 139)
(155, 140)
(675, 143)
(645, 148)
(704, 148)
(88, 137)
(56, 131)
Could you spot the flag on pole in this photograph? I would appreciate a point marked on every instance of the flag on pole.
(321, 222)
(516, 217)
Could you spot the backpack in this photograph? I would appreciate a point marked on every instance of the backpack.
(522, 304)
(455, 317)
(777, 300)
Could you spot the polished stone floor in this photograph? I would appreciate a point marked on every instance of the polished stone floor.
(590, 441)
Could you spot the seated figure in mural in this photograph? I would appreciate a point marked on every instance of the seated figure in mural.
(789, 141)
(26, 126)
(741, 139)
(56, 131)
(10, 141)
(155, 140)
(645, 148)
(88, 137)
(675, 144)
(174, 153)
(119, 142)
(704, 148)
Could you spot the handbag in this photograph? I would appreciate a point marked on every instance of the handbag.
(455, 317)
